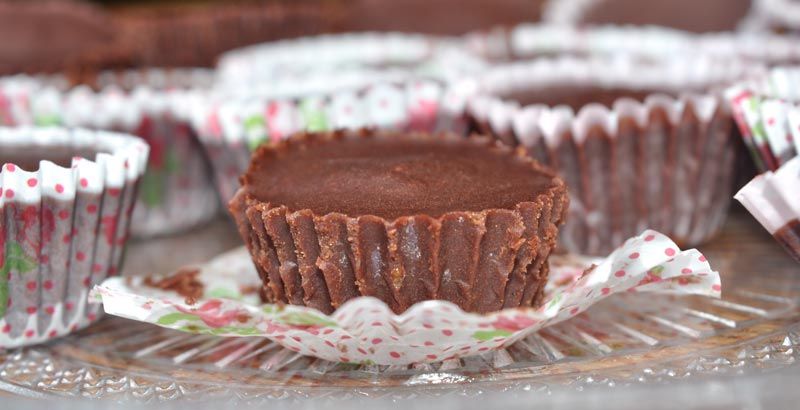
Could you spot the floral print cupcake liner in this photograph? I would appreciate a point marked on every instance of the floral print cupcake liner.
(175, 192)
(62, 230)
(364, 330)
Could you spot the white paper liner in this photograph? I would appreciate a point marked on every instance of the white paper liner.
(774, 197)
(153, 104)
(645, 42)
(767, 111)
(231, 128)
(62, 230)
(365, 330)
(781, 15)
(698, 208)
(332, 63)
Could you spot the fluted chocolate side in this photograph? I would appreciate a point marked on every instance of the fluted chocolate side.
(481, 261)
(672, 176)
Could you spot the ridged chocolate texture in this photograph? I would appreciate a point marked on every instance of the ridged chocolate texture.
(672, 176)
(480, 260)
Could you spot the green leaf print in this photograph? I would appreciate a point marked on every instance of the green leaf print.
(173, 163)
(490, 334)
(256, 130)
(172, 318)
(16, 260)
(313, 116)
(554, 302)
(657, 270)
(304, 319)
(45, 120)
(223, 293)
(152, 188)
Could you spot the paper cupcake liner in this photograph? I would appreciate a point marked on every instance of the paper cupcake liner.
(331, 63)
(526, 41)
(782, 16)
(772, 198)
(231, 128)
(663, 163)
(492, 259)
(767, 112)
(364, 330)
(175, 193)
(62, 230)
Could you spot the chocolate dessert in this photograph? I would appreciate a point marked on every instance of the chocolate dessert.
(52, 36)
(789, 236)
(653, 152)
(689, 15)
(402, 217)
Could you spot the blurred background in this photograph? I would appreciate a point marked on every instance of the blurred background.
(59, 35)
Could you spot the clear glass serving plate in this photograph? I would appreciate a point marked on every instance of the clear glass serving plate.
(626, 340)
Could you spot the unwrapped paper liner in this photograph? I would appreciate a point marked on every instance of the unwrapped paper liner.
(774, 200)
(175, 193)
(62, 230)
(613, 159)
(231, 128)
(767, 112)
(364, 330)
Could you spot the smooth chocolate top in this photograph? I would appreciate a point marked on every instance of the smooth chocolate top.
(28, 158)
(390, 175)
(577, 96)
(698, 16)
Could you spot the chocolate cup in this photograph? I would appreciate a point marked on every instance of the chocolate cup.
(62, 230)
(665, 163)
(322, 261)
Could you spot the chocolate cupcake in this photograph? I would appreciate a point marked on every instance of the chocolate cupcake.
(175, 193)
(328, 217)
(66, 197)
(639, 145)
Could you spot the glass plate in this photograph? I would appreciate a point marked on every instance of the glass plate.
(627, 340)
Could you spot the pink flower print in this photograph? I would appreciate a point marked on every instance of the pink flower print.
(513, 324)
(423, 115)
(212, 315)
(109, 228)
